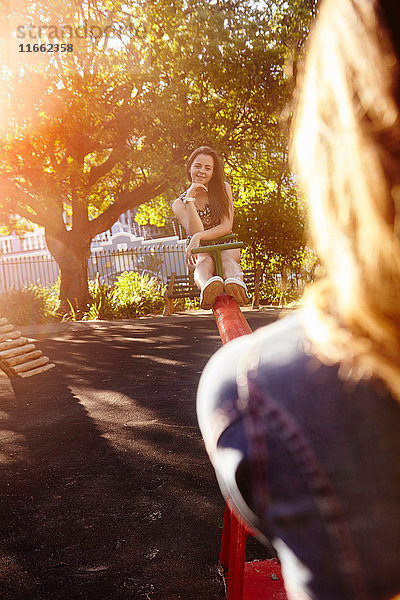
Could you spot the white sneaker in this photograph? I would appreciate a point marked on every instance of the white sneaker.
(213, 288)
(236, 287)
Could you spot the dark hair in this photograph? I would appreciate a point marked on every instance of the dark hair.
(220, 205)
(390, 10)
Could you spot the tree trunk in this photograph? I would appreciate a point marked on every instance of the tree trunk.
(72, 254)
(253, 248)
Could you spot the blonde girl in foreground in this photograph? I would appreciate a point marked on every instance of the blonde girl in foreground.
(302, 419)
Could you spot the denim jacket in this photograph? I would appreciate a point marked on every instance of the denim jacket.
(310, 460)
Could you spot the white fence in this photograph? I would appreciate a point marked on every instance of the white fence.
(157, 258)
(19, 271)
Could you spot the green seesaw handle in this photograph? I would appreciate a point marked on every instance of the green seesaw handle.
(216, 247)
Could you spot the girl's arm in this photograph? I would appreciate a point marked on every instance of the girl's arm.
(187, 213)
(219, 230)
(188, 216)
(223, 228)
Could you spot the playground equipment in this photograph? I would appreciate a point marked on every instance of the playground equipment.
(215, 248)
(255, 580)
(19, 357)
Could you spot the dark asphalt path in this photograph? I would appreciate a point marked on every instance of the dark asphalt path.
(106, 490)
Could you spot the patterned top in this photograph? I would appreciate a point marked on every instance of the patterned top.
(204, 214)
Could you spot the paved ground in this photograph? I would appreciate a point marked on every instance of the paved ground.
(106, 490)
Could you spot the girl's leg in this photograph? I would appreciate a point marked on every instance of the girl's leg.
(234, 284)
(231, 263)
(210, 285)
(204, 269)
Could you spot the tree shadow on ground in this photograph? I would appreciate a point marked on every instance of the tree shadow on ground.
(109, 492)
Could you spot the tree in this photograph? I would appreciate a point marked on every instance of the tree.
(107, 126)
(270, 216)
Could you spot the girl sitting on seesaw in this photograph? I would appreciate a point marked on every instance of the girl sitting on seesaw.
(205, 210)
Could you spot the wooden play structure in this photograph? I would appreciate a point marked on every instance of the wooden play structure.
(18, 356)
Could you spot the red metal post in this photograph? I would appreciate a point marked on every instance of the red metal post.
(232, 324)
(257, 579)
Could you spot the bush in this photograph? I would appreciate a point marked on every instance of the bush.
(273, 291)
(137, 294)
(104, 305)
(29, 305)
(184, 304)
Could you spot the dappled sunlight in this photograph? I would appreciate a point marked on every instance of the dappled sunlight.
(112, 410)
(140, 340)
(158, 451)
(105, 347)
(110, 457)
(159, 359)
(109, 398)
(13, 447)
(157, 423)
(111, 339)
(14, 577)
(102, 451)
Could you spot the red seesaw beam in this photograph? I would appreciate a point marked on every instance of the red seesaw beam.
(231, 324)
(259, 579)
(229, 318)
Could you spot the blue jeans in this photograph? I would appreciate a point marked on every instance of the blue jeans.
(311, 461)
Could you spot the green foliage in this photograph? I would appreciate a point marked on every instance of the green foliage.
(133, 295)
(72, 314)
(103, 305)
(191, 303)
(29, 305)
(88, 134)
(183, 304)
(152, 264)
(285, 286)
(153, 213)
(92, 125)
(182, 74)
(270, 220)
(138, 294)
(274, 292)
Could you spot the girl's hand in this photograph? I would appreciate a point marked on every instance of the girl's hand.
(194, 243)
(195, 188)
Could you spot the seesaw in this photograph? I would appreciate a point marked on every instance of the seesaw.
(259, 579)
(19, 357)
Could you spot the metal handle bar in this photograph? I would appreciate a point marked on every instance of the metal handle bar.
(215, 248)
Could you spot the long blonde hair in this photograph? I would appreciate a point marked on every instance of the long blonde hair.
(346, 147)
